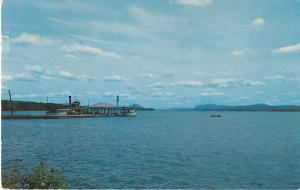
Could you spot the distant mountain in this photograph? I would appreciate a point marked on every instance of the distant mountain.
(253, 107)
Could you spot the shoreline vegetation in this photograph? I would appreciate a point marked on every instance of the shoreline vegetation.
(16, 176)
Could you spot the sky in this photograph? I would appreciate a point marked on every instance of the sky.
(162, 54)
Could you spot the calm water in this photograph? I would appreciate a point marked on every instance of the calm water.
(164, 149)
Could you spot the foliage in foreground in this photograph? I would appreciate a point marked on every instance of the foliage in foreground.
(40, 177)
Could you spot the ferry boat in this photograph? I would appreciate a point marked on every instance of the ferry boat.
(128, 112)
(60, 112)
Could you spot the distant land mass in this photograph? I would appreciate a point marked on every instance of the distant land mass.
(253, 107)
(30, 106)
(39, 106)
(141, 108)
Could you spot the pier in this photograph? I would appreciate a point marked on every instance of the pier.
(74, 110)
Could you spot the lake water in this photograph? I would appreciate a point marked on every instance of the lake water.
(163, 149)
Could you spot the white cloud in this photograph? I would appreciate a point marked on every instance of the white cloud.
(65, 74)
(162, 94)
(277, 77)
(3, 87)
(6, 77)
(223, 82)
(127, 96)
(115, 27)
(240, 52)
(36, 72)
(71, 57)
(5, 37)
(253, 83)
(114, 78)
(189, 83)
(288, 49)
(91, 50)
(146, 75)
(34, 68)
(280, 77)
(258, 22)
(51, 94)
(25, 77)
(159, 85)
(110, 94)
(230, 82)
(198, 3)
(211, 94)
(71, 76)
(62, 22)
(33, 39)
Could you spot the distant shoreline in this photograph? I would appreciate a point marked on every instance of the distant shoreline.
(191, 110)
(40, 106)
(253, 107)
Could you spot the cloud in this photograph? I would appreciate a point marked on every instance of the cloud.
(50, 94)
(33, 39)
(25, 77)
(71, 57)
(288, 49)
(90, 50)
(114, 78)
(6, 77)
(240, 52)
(198, 3)
(66, 75)
(62, 22)
(35, 73)
(169, 73)
(258, 22)
(146, 75)
(251, 83)
(189, 83)
(110, 94)
(115, 27)
(245, 98)
(211, 94)
(3, 87)
(162, 94)
(159, 85)
(5, 37)
(111, 27)
(63, 74)
(222, 83)
(113, 95)
(280, 77)
(34, 68)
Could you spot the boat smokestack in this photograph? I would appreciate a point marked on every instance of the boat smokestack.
(70, 100)
(117, 101)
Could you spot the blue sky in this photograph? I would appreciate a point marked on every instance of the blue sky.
(161, 54)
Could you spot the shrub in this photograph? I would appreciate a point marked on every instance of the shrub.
(40, 177)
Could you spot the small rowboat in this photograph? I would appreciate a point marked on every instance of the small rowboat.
(214, 115)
